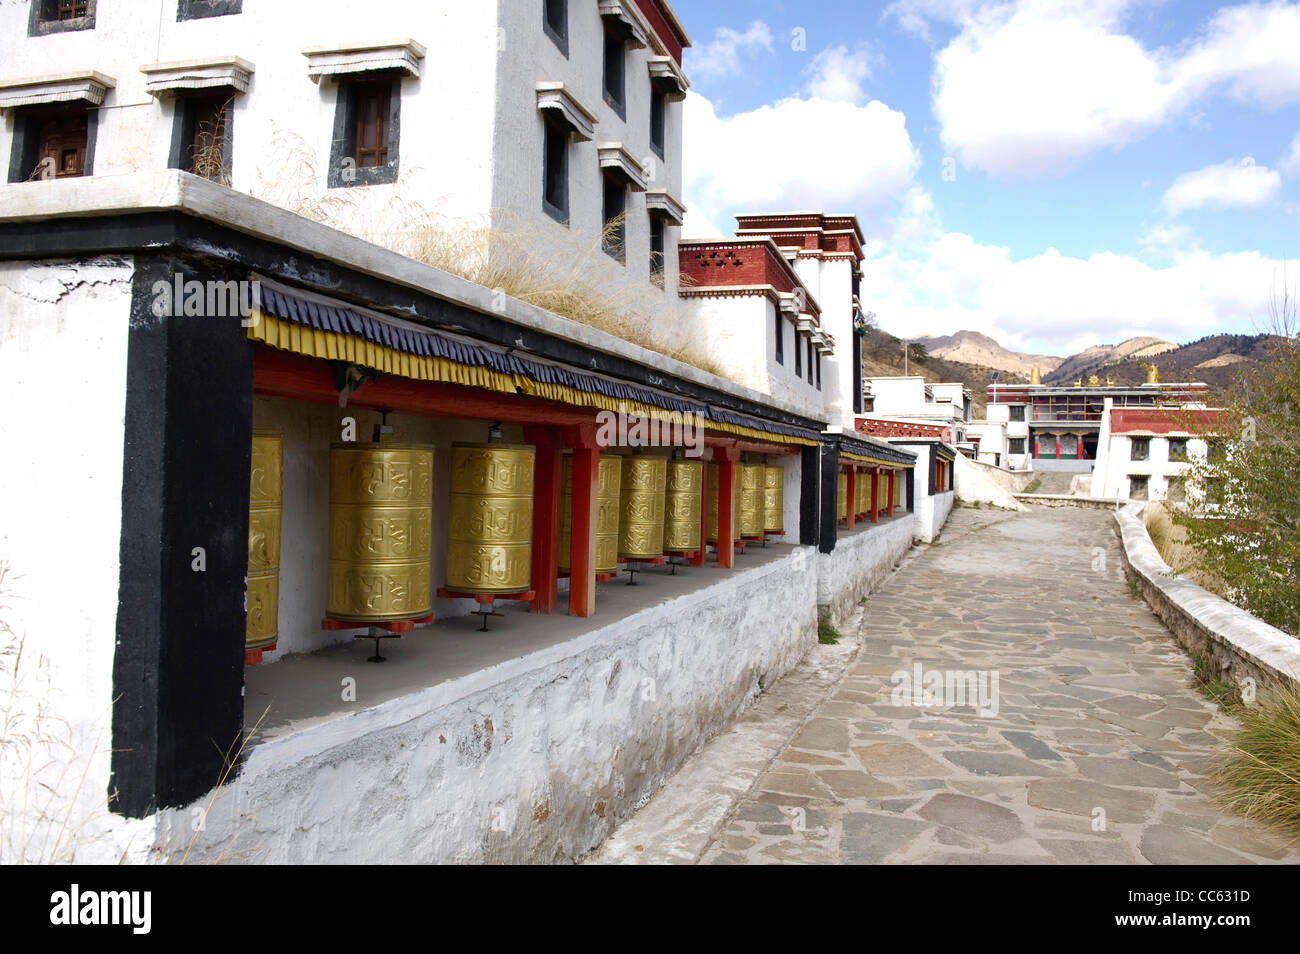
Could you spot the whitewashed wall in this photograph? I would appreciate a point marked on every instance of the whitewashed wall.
(862, 558)
(63, 348)
(533, 760)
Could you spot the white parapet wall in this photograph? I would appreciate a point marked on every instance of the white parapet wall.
(931, 514)
(532, 760)
(1242, 646)
(860, 561)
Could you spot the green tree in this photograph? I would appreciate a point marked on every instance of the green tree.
(1243, 514)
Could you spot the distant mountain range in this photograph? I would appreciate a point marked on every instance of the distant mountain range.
(973, 358)
(1215, 359)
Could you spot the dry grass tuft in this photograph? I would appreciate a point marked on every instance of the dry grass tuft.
(1260, 774)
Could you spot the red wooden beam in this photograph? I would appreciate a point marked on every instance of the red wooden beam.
(850, 499)
(284, 374)
(726, 456)
(875, 495)
(546, 517)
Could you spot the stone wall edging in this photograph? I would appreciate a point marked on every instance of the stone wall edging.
(1241, 644)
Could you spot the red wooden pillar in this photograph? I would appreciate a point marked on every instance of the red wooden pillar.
(1037, 447)
(1058, 446)
(546, 517)
(726, 458)
(582, 528)
(705, 489)
(851, 500)
(889, 508)
(875, 495)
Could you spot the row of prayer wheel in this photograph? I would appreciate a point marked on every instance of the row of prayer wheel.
(861, 493)
(760, 502)
(381, 523)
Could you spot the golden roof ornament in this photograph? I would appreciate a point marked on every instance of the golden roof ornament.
(1153, 376)
(1034, 376)
(1093, 381)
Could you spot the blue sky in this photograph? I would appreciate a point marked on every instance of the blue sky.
(1056, 173)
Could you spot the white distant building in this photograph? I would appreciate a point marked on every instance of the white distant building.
(913, 400)
(1147, 454)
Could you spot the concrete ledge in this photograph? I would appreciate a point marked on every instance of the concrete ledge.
(1242, 645)
(1066, 500)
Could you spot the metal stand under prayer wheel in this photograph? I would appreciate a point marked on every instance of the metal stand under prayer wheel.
(683, 498)
(773, 500)
(490, 532)
(265, 491)
(751, 502)
(641, 513)
(607, 499)
(381, 539)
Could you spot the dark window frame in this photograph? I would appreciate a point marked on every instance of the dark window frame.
(344, 144)
(658, 249)
(810, 361)
(1139, 448)
(559, 35)
(555, 203)
(1142, 481)
(798, 356)
(658, 122)
(1178, 449)
(780, 337)
(611, 75)
(24, 155)
(612, 184)
(1015, 445)
(184, 126)
(819, 370)
(1016, 414)
(203, 9)
(41, 23)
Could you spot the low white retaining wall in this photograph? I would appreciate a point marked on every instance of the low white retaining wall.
(931, 514)
(1242, 645)
(533, 760)
(859, 562)
(1066, 500)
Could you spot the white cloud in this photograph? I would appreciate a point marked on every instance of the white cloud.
(836, 74)
(721, 55)
(1057, 301)
(1290, 165)
(1237, 182)
(1167, 238)
(777, 157)
(1029, 89)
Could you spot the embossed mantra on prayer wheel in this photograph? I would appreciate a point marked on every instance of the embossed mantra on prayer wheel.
(264, 501)
(842, 495)
(861, 488)
(641, 508)
(751, 500)
(490, 532)
(774, 498)
(711, 505)
(381, 531)
(682, 501)
(608, 481)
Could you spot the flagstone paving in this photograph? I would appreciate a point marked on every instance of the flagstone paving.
(1094, 749)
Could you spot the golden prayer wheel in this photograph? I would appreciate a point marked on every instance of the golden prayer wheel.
(751, 500)
(265, 492)
(682, 501)
(861, 488)
(608, 481)
(774, 498)
(381, 532)
(842, 495)
(490, 524)
(711, 505)
(641, 508)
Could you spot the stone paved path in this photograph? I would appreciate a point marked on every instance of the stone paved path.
(1097, 753)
